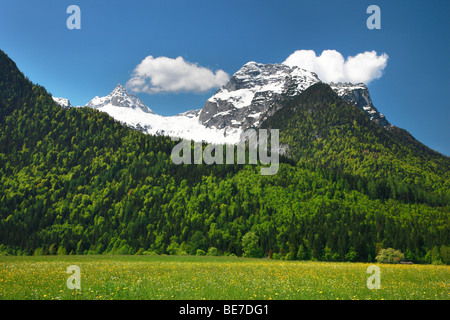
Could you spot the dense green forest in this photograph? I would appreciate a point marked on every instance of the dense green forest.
(75, 181)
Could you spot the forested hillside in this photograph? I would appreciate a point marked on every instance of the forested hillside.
(322, 130)
(74, 181)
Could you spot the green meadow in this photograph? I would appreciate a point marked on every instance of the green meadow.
(204, 277)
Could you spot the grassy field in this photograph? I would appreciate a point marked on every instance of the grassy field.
(192, 277)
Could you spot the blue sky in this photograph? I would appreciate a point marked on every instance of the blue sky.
(116, 36)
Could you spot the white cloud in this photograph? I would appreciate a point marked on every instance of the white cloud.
(162, 74)
(331, 66)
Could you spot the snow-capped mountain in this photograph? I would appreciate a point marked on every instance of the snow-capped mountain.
(131, 111)
(184, 126)
(255, 91)
(252, 93)
(65, 103)
(119, 98)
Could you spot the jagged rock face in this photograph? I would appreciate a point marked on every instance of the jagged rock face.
(119, 97)
(358, 94)
(253, 93)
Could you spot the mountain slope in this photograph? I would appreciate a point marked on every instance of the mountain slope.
(15, 90)
(321, 129)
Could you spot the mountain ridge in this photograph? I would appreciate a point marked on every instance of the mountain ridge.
(251, 95)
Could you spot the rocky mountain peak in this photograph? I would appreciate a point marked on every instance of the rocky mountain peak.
(252, 93)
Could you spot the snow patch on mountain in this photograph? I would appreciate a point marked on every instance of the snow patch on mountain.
(65, 103)
(184, 125)
(131, 111)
